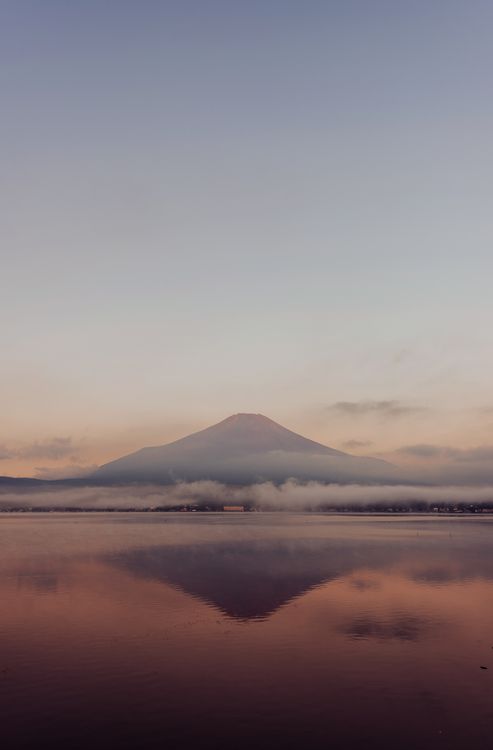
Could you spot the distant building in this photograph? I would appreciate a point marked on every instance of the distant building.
(237, 508)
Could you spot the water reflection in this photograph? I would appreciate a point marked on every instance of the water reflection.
(40, 582)
(292, 631)
(404, 627)
(252, 579)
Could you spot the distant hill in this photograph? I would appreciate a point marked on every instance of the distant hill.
(20, 482)
(242, 449)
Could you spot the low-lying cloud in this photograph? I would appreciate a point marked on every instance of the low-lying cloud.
(71, 471)
(53, 449)
(5, 453)
(290, 496)
(445, 452)
(388, 409)
(357, 444)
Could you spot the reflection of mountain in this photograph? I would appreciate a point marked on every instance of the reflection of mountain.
(249, 580)
(241, 449)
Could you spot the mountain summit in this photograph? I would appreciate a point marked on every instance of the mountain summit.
(250, 433)
(242, 449)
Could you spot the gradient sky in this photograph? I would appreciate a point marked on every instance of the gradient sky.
(210, 207)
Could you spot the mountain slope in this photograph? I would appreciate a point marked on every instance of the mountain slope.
(241, 449)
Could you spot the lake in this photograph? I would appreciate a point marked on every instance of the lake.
(234, 630)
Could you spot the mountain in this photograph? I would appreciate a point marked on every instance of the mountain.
(242, 449)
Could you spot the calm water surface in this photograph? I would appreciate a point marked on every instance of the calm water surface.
(177, 631)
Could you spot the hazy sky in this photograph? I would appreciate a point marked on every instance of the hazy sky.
(220, 206)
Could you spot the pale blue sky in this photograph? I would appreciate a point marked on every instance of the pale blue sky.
(211, 207)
